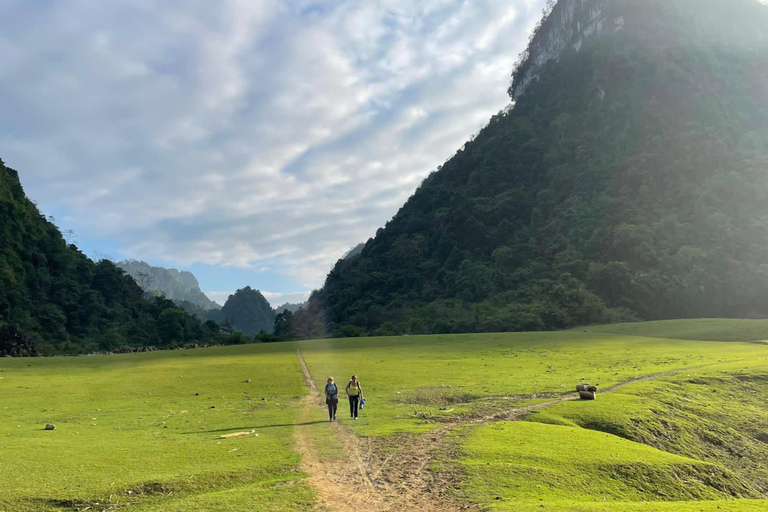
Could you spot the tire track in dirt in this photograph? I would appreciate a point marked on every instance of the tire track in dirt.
(347, 485)
(377, 479)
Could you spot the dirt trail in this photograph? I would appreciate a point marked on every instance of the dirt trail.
(356, 484)
(375, 478)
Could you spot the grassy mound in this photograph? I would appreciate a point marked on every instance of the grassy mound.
(538, 464)
(712, 416)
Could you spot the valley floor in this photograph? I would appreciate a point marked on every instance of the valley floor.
(475, 422)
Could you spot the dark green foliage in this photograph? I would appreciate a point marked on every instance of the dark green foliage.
(248, 311)
(284, 325)
(55, 300)
(308, 322)
(15, 343)
(628, 181)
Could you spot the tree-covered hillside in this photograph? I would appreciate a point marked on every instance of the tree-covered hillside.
(55, 300)
(628, 180)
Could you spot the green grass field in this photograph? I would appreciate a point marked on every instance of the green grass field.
(131, 429)
(142, 430)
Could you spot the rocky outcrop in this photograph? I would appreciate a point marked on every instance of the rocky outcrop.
(569, 23)
(179, 286)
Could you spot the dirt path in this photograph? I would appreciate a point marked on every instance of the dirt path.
(361, 482)
(395, 475)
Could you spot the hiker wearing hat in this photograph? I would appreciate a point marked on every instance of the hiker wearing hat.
(331, 398)
(355, 393)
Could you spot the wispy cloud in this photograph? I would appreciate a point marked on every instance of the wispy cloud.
(246, 134)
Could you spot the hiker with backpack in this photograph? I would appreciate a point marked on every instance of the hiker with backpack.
(355, 393)
(331, 398)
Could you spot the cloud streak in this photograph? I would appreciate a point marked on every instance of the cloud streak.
(241, 133)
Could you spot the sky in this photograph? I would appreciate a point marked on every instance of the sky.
(252, 142)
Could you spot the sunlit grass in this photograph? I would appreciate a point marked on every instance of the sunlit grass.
(708, 329)
(411, 380)
(142, 429)
(134, 427)
(539, 463)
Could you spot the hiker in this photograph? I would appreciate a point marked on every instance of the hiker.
(331, 398)
(355, 393)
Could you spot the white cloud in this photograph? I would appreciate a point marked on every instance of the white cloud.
(246, 134)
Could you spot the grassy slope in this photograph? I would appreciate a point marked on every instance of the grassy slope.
(120, 426)
(536, 463)
(718, 416)
(710, 415)
(707, 329)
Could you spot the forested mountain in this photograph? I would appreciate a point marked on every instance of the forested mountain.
(55, 300)
(629, 179)
(175, 285)
(248, 311)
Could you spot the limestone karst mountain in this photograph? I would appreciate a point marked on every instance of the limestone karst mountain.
(627, 179)
(173, 284)
(248, 311)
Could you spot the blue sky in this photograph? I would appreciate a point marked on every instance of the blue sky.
(251, 142)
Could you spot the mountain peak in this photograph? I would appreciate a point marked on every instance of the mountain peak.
(626, 181)
(174, 284)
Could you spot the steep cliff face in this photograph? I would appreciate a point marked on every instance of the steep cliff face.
(569, 23)
(177, 286)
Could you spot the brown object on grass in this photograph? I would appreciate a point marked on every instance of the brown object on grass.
(50, 426)
(587, 395)
(237, 434)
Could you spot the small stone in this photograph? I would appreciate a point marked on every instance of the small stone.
(213, 407)
(50, 426)
(197, 394)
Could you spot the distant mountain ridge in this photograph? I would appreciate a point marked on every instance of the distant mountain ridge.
(290, 307)
(174, 284)
(246, 310)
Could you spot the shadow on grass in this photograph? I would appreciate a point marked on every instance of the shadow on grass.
(255, 427)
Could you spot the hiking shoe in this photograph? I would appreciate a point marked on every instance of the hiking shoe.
(355, 417)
